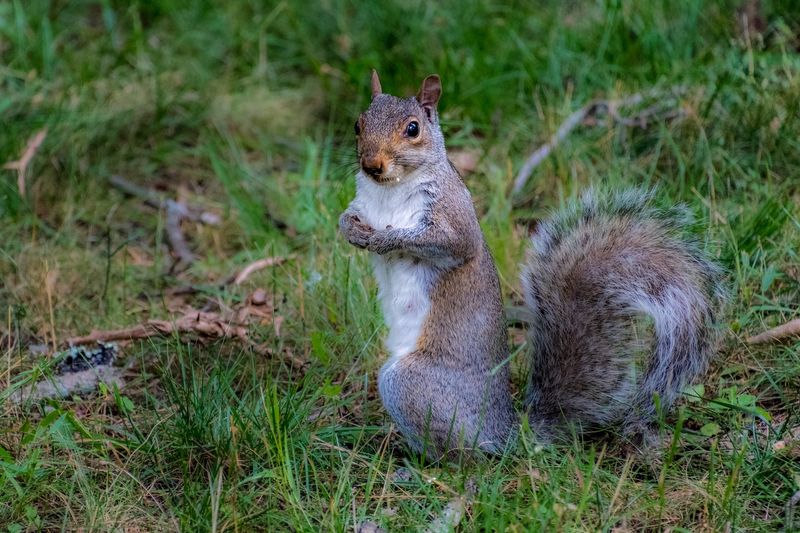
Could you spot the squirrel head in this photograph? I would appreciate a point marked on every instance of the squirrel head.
(398, 138)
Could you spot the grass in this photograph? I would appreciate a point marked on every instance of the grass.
(247, 108)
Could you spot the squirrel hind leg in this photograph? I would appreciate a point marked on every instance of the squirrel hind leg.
(444, 414)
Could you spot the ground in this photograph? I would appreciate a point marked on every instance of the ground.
(246, 109)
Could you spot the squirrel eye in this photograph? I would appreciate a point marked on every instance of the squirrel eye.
(412, 130)
(357, 128)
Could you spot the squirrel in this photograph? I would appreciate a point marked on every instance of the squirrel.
(592, 272)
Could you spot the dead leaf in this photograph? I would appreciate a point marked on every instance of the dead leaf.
(21, 164)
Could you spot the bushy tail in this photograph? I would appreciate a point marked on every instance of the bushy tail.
(624, 308)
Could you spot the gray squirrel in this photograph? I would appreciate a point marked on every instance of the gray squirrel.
(591, 273)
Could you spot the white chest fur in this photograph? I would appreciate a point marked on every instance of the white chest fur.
(403, 282)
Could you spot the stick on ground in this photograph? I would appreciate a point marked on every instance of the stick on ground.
(205, 324)
(593, 108)
(255, 266)
(21, 164)
(535, 159)
(790, 329)
(234, 323)
(177, 212)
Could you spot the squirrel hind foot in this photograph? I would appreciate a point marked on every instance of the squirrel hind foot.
(642, 437)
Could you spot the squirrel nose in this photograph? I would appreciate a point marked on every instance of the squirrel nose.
(373, 167)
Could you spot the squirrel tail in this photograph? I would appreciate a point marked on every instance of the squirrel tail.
(624, 308)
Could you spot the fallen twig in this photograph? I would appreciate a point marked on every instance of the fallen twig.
(664, 110)
(158, 201)
(237, 278)
(21, 164)
(543, 151)
(203, 323)
(255, 266)
(592, 108)
(177, 212)
(233, 323)
(790, 329)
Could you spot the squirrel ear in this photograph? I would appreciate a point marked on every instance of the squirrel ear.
(429, 94)
(376, 84)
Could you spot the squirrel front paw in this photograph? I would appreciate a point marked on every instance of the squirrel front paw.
(356, 232)
(380, 242)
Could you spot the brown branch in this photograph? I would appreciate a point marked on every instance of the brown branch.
(150, 198)
(255, 266)
(665, 110)
(237, 278)
(535, 159)
(21, 164)
(210, 325)
(157, 201)
(177, 212)
(230, 324)
(576, 118)
(790, 329)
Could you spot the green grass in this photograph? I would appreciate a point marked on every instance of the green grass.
(247, 109)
